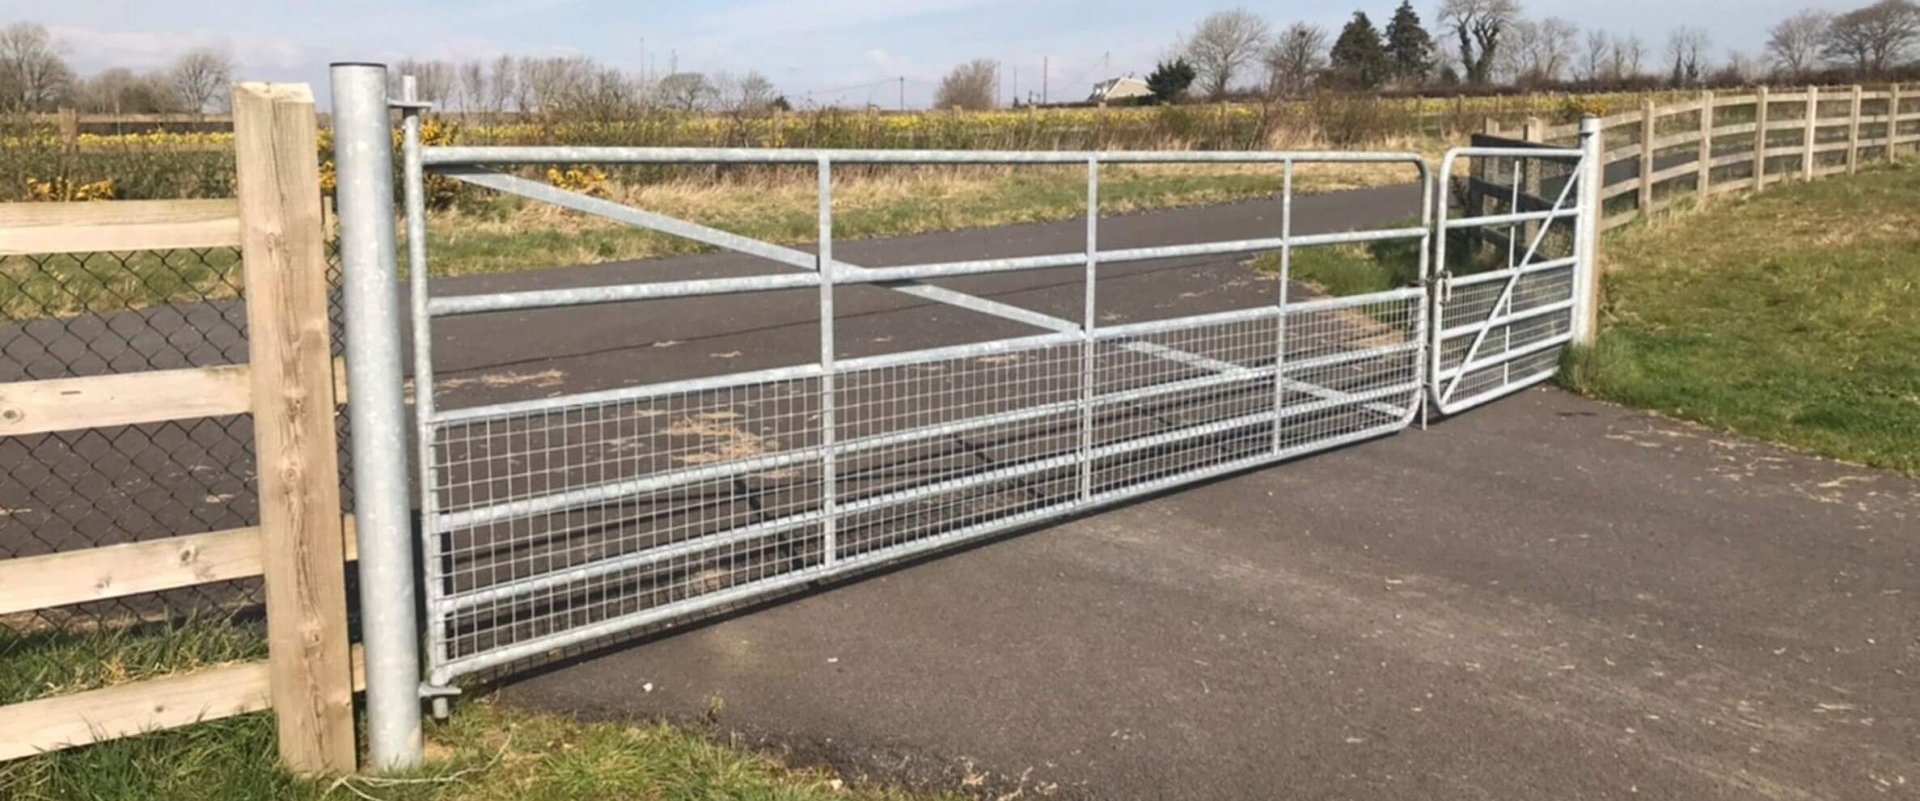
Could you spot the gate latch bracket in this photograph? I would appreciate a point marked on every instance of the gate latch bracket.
(439, 697)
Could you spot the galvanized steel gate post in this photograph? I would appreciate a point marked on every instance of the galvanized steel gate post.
(363, 155)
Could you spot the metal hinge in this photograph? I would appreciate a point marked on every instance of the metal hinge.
(439, 698)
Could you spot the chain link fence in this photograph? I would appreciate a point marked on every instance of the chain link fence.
(77, 315)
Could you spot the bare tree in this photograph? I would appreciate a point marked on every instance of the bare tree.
(1479, 25)
(1222, 45)
(1539, 52)
(1874, 38)
(473, 86)
(121, 91)
(1687, 55)
(1629, 57)
(1796, 42)
(436, 81)
(1738, 70)
(974, 86)
(1296, 59)
(751, 93)
(1596, 58)
(200, 77)
(501, 83)
(687, 91)
(33, 76)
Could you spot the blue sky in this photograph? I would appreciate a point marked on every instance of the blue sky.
(818, 46)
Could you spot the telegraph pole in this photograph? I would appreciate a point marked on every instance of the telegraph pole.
(903, 93)
(1046, 68)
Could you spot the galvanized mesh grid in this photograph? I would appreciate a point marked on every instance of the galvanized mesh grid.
(560, 524)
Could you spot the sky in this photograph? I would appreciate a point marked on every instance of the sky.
(849, 52)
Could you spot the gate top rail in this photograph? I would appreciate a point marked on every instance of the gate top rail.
(559, 154)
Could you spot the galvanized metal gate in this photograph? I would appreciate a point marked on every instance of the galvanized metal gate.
(1511, 288)
(560, 521)
(553, 522)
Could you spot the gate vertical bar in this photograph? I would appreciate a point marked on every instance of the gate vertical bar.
(413, 186)
(1586, 232)
(1089, 322)
(363, 151)
(1280, 325)
(829, 512)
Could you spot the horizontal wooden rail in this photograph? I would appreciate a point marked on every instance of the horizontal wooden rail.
(118, 225)
(28, 583)
(84, 718)
(124, 399)
(67, 404)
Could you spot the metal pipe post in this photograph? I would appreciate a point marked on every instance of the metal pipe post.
(1586, 239)
(363, 153)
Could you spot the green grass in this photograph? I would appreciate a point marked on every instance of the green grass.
(52, 662)
(1344, 270)
(485, 753)
(1792, 315)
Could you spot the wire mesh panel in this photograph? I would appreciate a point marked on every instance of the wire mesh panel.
(1506, 302)
(90, 314)
(555, 522)
(79, 315)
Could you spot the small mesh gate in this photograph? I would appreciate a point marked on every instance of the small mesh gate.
(557, 522)
(1509, 283)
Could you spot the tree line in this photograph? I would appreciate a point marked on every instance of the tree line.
(35, 77)
(1488, 44)
(1473, 44)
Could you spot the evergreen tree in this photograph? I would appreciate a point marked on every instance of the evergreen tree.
(1409, 46)
(1359, 58)
(1170, 79)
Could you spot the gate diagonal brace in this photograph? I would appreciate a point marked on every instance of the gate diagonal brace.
(653, 221)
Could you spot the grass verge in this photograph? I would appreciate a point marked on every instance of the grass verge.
(1346, 270)
(1789, 315)
(485, 753)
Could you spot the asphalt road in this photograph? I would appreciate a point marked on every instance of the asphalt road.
(1548, 598)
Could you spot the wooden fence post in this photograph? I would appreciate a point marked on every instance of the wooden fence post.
(1853, 132)
(1760, 106)
(1893, 121)
(284, 250)
(1647, 116)
(1703, 186)
(1812, 134)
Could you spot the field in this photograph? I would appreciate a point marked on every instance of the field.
(1788, 315)
(134, 163)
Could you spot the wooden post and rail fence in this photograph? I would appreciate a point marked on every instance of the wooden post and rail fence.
(290, 385)
(1713, 144)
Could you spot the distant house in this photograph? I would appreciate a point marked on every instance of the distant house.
(1116, 89)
